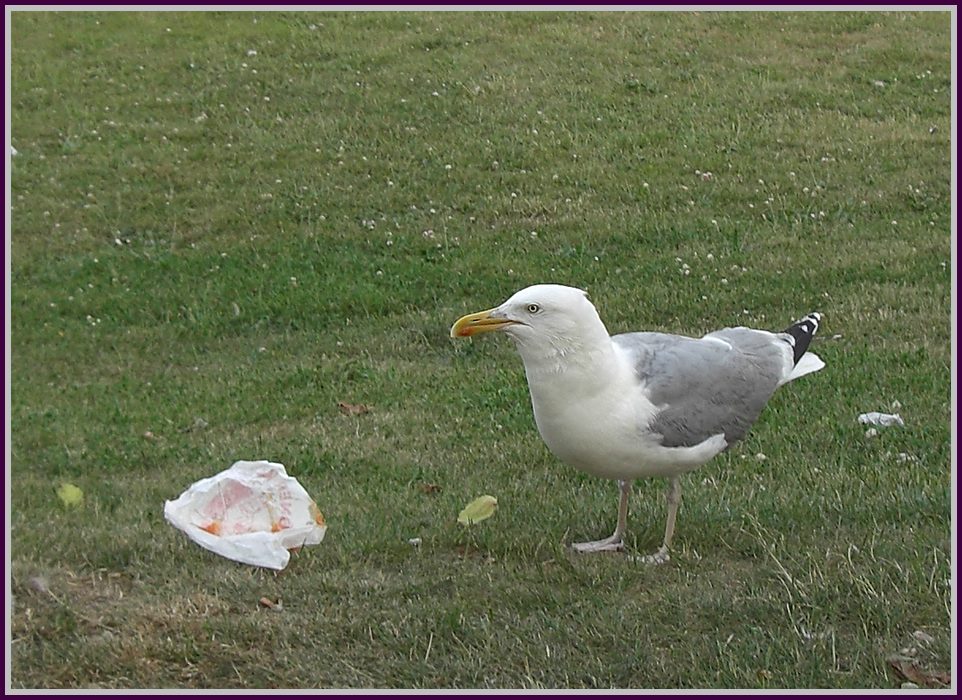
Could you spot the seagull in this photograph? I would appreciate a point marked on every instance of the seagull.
(641, 404)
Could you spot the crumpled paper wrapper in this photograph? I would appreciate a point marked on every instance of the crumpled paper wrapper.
(883, 419)
(252, 513)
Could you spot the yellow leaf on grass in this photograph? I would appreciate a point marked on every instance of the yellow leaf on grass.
(70, 494)
(479, 509)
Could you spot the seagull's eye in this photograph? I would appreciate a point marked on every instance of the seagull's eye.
(533, 308)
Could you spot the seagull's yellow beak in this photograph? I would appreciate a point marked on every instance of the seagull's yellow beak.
(481, 322)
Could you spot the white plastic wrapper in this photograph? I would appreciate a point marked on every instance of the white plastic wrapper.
(883, 419)
(252, 513)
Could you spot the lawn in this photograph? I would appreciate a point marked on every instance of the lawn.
(225, 224)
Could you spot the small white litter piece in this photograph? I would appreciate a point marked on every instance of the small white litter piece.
(884, 419)
(252, 512)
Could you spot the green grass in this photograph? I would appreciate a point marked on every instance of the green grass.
(202, 232)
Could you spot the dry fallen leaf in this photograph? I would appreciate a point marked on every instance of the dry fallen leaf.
(352, 409)
(910, 671)
(429, 488)
(268, 603)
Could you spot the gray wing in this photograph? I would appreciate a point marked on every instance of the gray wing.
(705, 387)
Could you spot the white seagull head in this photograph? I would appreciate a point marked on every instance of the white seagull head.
(542, 319)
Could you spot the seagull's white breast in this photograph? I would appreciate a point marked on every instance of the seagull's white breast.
(595, 416)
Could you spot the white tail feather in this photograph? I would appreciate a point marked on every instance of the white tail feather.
(810, 362)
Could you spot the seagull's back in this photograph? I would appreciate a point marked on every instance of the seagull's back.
(707, 386)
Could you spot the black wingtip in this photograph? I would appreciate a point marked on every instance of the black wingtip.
(803, 331)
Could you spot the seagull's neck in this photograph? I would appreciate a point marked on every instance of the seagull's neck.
(586, 360)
